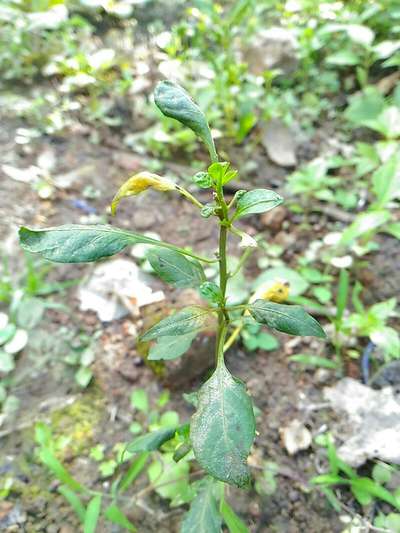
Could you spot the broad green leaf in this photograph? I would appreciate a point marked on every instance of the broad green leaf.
(231, 519)
(114, 514)
(151, 441)
(74, 501)
(223, 428)
(364, 223)
(187, 320)
(75, 243)
(203, 515)
(53, 464)
(168, 348)
(291, 319)
(256, 201)
(135, 468)
(92, 515)
(174, 102)
(174, 268)
(313, 360)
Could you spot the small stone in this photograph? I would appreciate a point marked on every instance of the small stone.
(295, 437)
(274, 219)
(143, 220)
(279, 142)
(127, 161)
(322, 375)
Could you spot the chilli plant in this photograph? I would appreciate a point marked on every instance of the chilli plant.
(222, 429)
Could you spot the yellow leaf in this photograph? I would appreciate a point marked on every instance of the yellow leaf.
(139, 183)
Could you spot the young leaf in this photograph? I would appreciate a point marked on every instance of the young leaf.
(203, 516)
(187, 320)
(92, 515)
(135, 468)
(174, 268)
(291, 319)
(223, 428)
(174, 102)
(231, 519)
(114, 514)
(256, 201)
(53, 464)
(168, 348)
(211, 292)
(74, 501)
(151, 441)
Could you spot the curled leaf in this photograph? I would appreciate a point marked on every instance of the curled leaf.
(139, 183)
(174, 102)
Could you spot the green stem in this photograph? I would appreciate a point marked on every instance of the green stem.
(223, 316)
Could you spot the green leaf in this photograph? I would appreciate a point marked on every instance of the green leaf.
(174, 102)
(140, 400)
(83, 376)
(114, 514)
(75, 243)
(74, 501)
(386, 181)
(92, 515)
(187, 320)
(366, 484)
(220, 173)
(135, 468)
(151, 441)
(203, 516)
(6, 362)
(171, 480)
(223, 428)
(231, 519)
(343, 58)
(168, 348)
(256, 201)
(211, 292)
(291, 319)
(7, 333)
(202, 180)
(314, 360)
(53, 464)
(362, 224)
(174, 268)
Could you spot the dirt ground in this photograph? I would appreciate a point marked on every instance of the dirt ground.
(46, 391)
